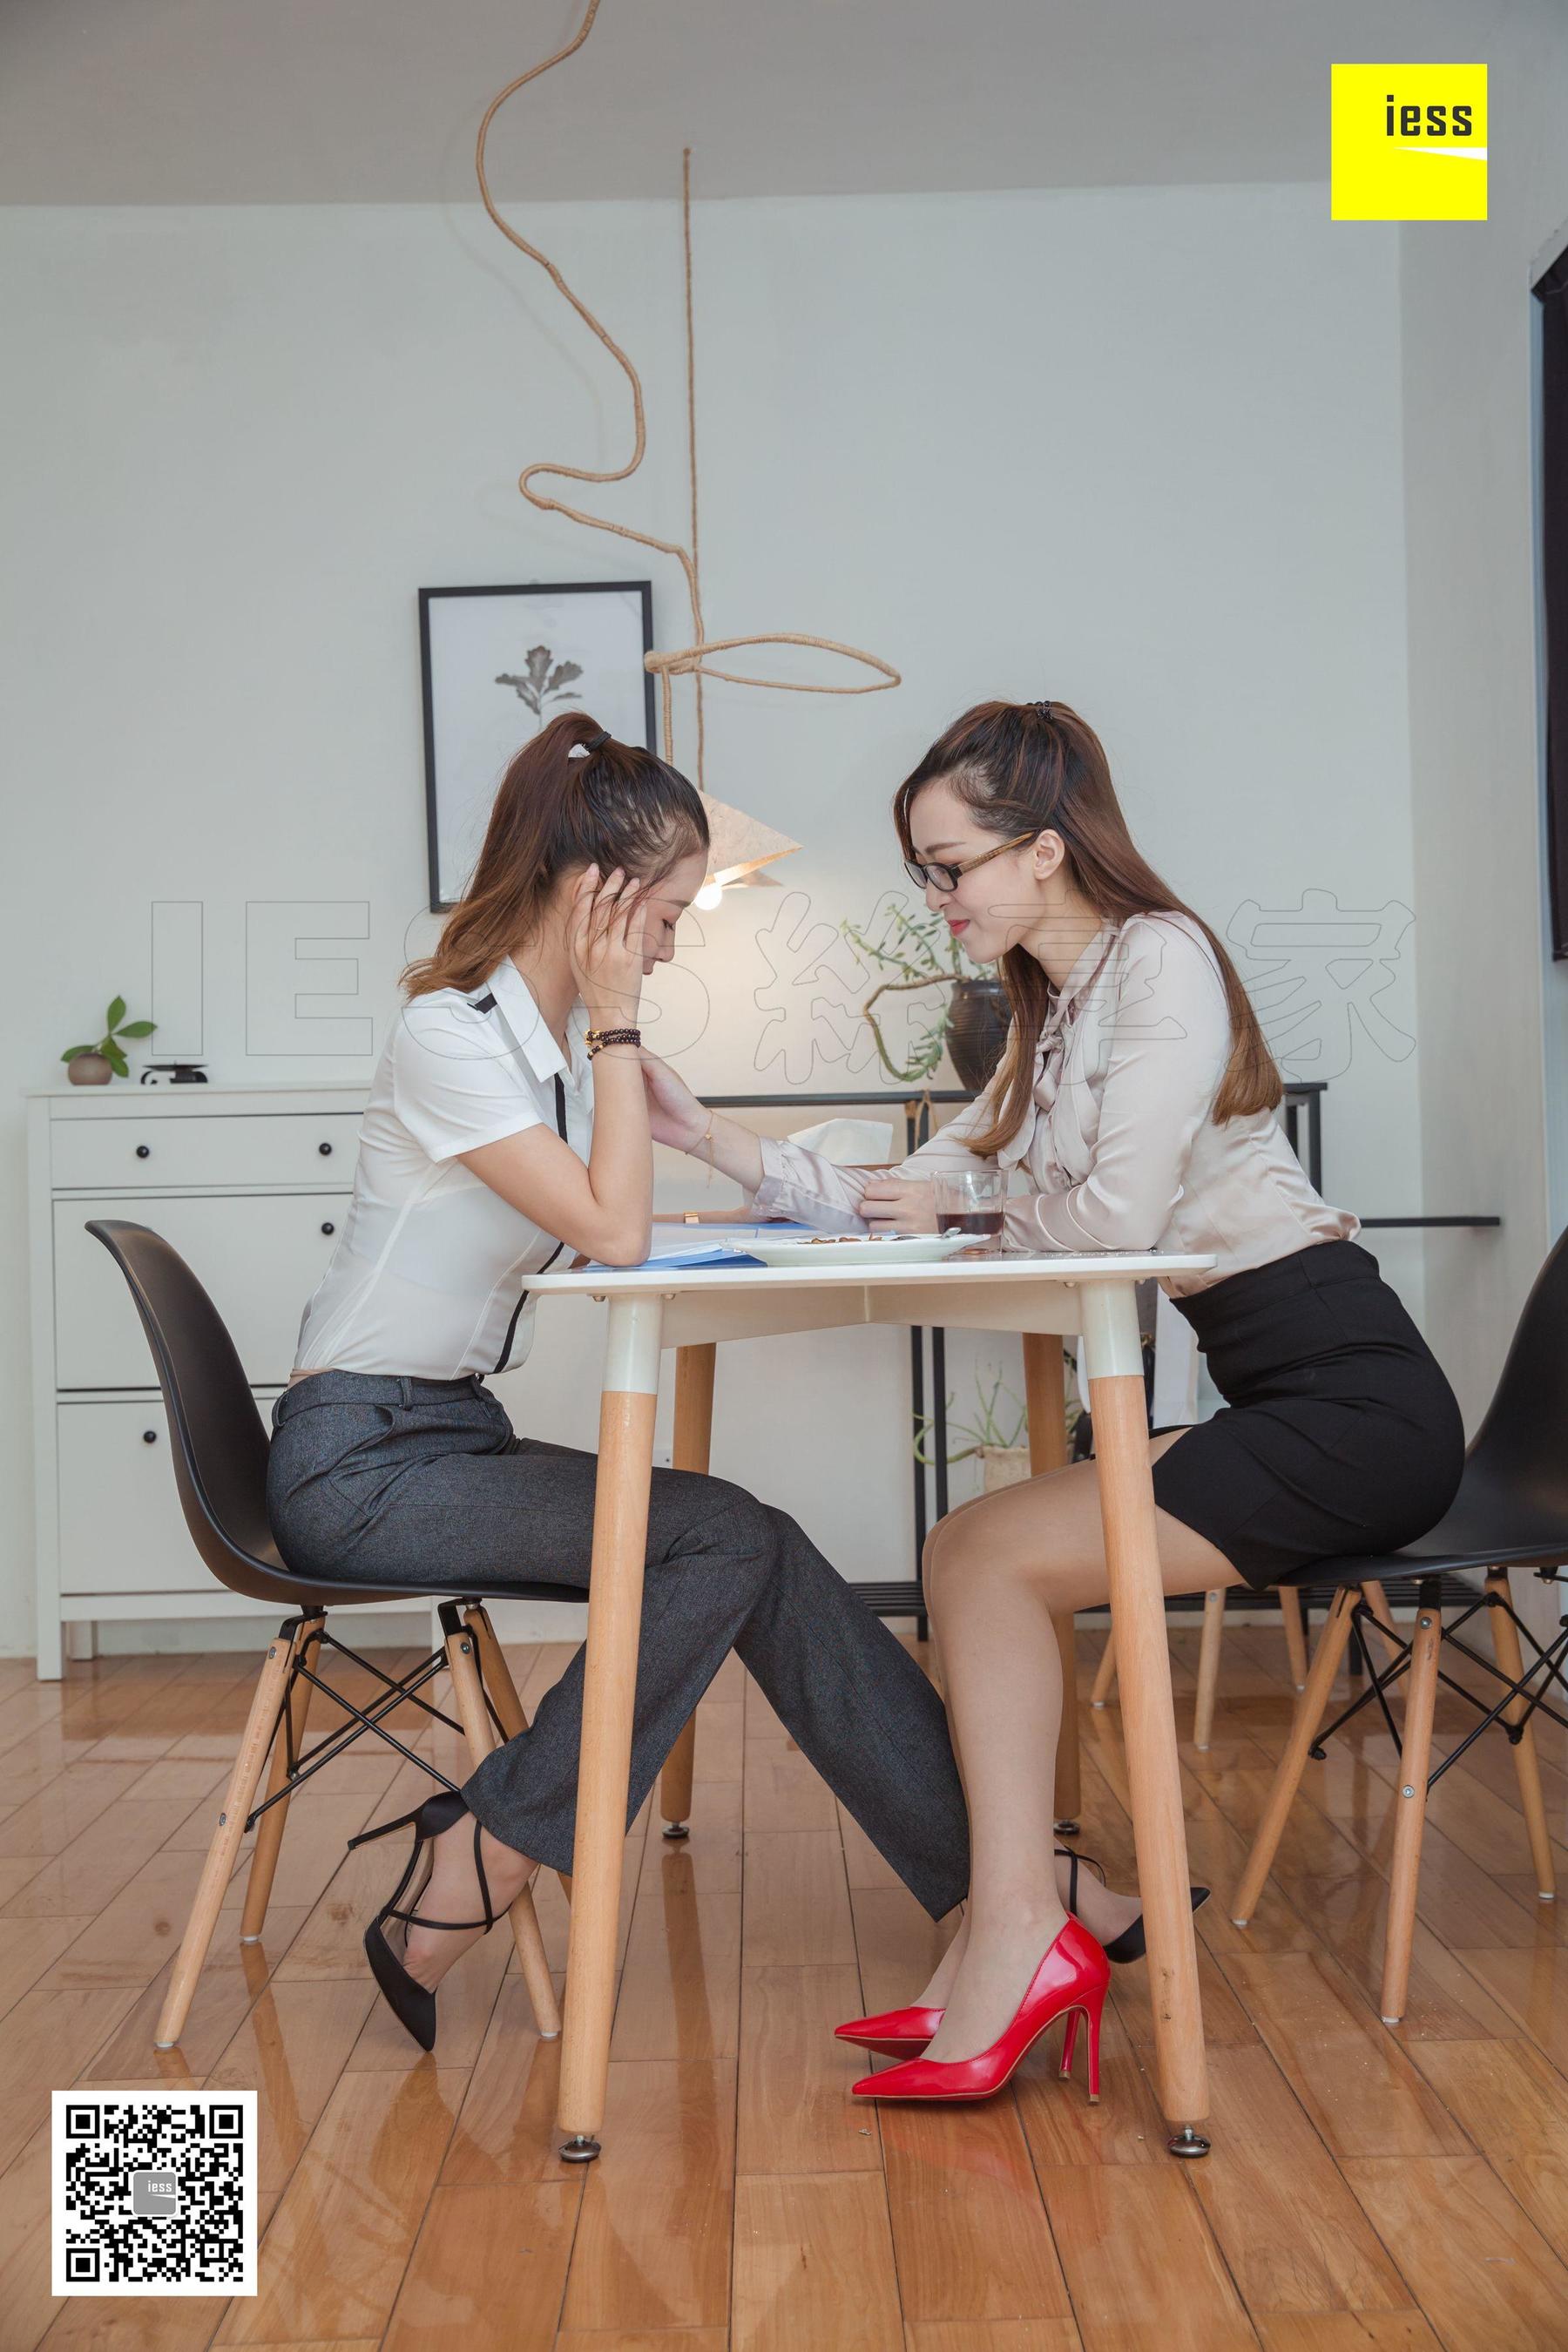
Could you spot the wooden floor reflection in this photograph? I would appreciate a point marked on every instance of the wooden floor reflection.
(1370, 2190)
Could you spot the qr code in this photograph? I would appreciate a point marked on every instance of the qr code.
(154, 2193)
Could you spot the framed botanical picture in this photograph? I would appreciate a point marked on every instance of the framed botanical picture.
(499, 664)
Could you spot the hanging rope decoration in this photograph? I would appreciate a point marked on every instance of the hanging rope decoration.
(690, 661)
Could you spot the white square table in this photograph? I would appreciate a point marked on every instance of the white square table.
(660, 1306)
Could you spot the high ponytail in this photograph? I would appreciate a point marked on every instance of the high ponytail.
(571, 797)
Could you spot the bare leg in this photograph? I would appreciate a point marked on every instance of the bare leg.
(1102, 1910)
(1003, 1565)
(453, 1893)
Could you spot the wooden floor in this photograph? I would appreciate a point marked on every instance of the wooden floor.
(1378, 2190)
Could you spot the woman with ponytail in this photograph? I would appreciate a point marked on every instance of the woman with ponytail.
(1134, 1109)
(508, 1121)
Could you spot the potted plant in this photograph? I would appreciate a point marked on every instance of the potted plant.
(94, 1065)
(999, 1438)
(972, 1025)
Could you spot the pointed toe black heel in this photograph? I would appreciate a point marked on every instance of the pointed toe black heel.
(412, 2003)
(1130, 1944)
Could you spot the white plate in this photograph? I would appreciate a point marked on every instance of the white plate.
(895, 1249)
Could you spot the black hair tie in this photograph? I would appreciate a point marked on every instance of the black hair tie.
(597, 742)
(1043, 709)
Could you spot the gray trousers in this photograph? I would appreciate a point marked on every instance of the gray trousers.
(393, 1480)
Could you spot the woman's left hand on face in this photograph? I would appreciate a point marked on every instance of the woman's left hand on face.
(898, 1204)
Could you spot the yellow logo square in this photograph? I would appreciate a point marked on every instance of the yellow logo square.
(1408, 142)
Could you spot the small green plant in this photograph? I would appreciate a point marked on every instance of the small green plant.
(990, 1431)
(115, 1027)
(911, 945)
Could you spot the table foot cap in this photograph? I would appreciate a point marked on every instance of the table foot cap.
(676, 1830)
(579, 2149)
(1187, 2142)
(1070, 1829)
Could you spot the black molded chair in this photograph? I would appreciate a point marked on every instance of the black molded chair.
(220, 1450)
(1511, 1511)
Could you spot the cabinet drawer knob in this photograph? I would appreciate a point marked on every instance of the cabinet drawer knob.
(329, 1227)
(325, 1149)
(149, 1437)
(144, 1151)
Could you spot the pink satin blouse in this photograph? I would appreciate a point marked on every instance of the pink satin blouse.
(1119, 1150)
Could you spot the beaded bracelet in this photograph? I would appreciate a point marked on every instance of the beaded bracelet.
(601, 1037)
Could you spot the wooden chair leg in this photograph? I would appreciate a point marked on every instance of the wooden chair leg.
(1376, 1600)
(1105, 1674)
(692, 1449)
(270, 1828)
(503, 1691)
(1295, 1635)
(1526, 1763)
(1208, 1669)
(462, 1661)
(1410, 1814)
(230, 1829)
(1309, 1715)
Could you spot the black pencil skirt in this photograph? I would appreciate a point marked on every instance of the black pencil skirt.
(1339, 1432)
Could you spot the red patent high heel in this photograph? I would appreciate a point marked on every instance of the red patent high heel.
(895, 2033)
(902, 2033)
(1071, 1982)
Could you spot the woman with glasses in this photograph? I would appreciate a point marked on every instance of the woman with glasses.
(1135, 1108)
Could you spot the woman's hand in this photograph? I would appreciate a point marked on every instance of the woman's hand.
(674, 1114)
(898, 1204)
(604, 942)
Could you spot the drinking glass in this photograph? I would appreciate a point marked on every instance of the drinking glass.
(971, 1201)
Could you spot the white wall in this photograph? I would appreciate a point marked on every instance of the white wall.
(1466, 322)
(1139, 448)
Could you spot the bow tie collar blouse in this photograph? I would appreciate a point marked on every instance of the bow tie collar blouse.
(1117, 1147)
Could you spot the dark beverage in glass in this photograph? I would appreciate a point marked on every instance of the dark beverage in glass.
(985, 1222)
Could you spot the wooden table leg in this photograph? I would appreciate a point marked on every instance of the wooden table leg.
(630, 1393)
(1045, 1399)
(692, 1451)
(1118, 1402)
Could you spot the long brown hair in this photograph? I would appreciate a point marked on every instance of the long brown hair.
(1020, 768)
(617, 805)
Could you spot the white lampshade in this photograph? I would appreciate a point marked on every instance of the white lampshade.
(740, 844)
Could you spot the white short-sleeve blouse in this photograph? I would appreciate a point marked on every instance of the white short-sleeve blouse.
(429, 1274)
(1119, 1148)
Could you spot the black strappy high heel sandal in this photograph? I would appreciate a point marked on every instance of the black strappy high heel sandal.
(1130, 1944)
(412, 2003)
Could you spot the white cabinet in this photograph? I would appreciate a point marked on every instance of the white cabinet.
(258, 1257)
(250, 1185)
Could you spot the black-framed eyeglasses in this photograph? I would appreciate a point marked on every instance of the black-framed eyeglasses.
(946, 878)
